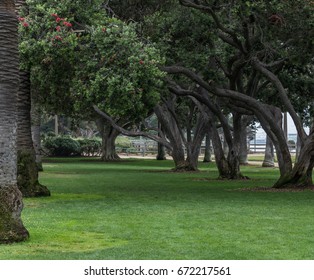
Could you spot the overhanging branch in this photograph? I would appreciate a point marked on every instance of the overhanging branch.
(132, 133)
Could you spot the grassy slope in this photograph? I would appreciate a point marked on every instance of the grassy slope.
(129, 210)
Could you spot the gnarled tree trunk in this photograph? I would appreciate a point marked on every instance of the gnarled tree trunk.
(108, 135)
(11, 226)
(301, 174)
(228, 167)
(174, 135)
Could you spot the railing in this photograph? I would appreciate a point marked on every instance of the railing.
(150, 147)
(260, 148)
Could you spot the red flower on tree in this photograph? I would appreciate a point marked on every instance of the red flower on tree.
(58, 28)
(58, 38)
(54, 15)
(141, 62)
(68, 24)
(25, 24)
(58, 19)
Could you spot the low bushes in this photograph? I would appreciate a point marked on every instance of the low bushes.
(66, 146)
(90, 147)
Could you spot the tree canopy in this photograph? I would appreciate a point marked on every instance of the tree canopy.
(78, 56)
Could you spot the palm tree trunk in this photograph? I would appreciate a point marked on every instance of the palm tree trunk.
(27, 172)
(11, 205)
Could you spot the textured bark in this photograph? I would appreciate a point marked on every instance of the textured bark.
(108, 144)
(35, 128)
(228, 167)
(297, 149)
(301, 174)
(280, 142)
(243, 149)
(161, 150)
(108, 135)
(173, 134)
(220, 158)
(27, 171)
(194, 145)
(269, 158)
(11, 226)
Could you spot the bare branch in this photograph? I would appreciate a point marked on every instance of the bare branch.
(132, 133)
(207, 9)
(283, 96)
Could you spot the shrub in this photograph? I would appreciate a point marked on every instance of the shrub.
(90, 147)
(123, 142)
(62, 146)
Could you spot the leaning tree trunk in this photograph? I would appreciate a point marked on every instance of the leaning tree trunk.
(161, 149)
(172, 132)
(27, 172)
(220, 159)
(297, 148)
(11, 226)
(228, 167)
(195, 142)
(269, 158)
(301, 174)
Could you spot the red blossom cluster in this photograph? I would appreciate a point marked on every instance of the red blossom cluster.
(58, 19)
(59, 28)
(23, 21)
(68, 24)
(58, 38)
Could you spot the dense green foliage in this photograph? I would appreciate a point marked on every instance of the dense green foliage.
(67, 146)
(78, 56)
(149, 213)
(62, 146)
(123, 74)
(90, 147)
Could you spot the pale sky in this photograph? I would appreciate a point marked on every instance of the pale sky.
(291, 129)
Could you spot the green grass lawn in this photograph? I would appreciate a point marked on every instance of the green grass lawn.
(134, 209)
